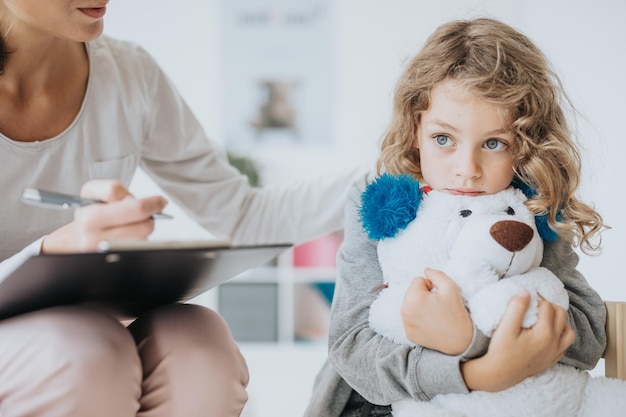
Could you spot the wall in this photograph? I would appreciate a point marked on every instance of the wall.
(584, 41)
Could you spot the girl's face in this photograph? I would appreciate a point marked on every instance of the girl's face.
(464, 143)
(77, 20)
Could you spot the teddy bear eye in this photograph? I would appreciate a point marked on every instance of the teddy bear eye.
(465, 213)
(509, 210)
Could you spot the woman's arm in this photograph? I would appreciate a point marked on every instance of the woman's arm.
(122, 217)
(195, 173)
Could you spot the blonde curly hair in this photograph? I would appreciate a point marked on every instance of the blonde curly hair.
(504, 67)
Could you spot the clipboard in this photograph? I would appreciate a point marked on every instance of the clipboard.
(130, 280)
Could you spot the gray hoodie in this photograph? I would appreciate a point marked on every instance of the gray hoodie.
(384, 372)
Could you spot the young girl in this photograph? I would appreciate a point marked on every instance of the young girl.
(80, 108)
(477, 108)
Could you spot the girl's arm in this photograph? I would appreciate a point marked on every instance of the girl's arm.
(516, 353)
(587, 313)
(452, 330)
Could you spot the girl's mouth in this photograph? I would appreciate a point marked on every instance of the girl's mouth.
(464, 192)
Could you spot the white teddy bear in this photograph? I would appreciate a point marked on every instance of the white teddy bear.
(490, 246)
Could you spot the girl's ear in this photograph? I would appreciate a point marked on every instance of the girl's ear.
(416, 143)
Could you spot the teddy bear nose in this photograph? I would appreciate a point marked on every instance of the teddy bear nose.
(511, 235)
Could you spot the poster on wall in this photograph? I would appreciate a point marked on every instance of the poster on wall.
(278, 67)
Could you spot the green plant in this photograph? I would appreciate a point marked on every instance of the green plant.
(246, 166)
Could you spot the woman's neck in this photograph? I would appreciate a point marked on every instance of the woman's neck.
(43, 85)
(38, 63)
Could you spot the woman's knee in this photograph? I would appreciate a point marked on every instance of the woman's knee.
(71, 337)
(188, 351)
(185, 328)
(85, 357)
(89, 342)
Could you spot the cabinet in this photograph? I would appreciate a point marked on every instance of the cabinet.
(277, 303)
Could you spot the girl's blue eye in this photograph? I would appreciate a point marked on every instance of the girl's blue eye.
(494, 144)
(443, 140)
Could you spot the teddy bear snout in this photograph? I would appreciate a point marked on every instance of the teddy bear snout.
(511, 234)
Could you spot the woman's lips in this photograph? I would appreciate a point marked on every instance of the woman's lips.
(95, 12)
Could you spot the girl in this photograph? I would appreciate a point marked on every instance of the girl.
(77, 107)
(475, 110)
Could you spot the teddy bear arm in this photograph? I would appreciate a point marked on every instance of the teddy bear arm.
(384, 316)
(543, 281)
(489, 304)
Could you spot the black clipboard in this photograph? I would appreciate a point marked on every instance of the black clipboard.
(127, 282)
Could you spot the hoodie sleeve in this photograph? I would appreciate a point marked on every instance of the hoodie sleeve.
(587, 313)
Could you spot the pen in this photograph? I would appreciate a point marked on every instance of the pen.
(50, 199)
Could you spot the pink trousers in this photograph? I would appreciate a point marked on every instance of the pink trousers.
(177, 361)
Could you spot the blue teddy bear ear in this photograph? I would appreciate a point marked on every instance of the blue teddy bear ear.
(389, 204)
(546, 233)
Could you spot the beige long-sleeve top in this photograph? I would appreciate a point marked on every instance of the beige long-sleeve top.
(132, 116)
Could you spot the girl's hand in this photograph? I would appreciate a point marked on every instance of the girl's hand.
(122, 217)
(516, 353)
(436, 319)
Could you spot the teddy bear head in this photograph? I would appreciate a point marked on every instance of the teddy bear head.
(477, 241)
(497, 238)
(416, 229)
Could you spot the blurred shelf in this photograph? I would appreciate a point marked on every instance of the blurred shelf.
(277, 304)
(287, 274)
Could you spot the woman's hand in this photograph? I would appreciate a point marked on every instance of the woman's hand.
(123, 217)
(516, 353)
(436, 319)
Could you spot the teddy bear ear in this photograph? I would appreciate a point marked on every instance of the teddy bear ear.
(541, 222)
(546, 233)
(389, 204)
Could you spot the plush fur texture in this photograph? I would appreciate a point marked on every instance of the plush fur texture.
(389, 205)
(490, 246)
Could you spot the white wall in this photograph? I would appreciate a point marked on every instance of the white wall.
(584, 40)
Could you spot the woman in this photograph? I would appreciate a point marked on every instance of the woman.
(82, 110)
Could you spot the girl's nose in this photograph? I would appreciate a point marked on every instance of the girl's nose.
(468, 165)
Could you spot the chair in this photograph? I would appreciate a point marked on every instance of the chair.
(615, 354)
